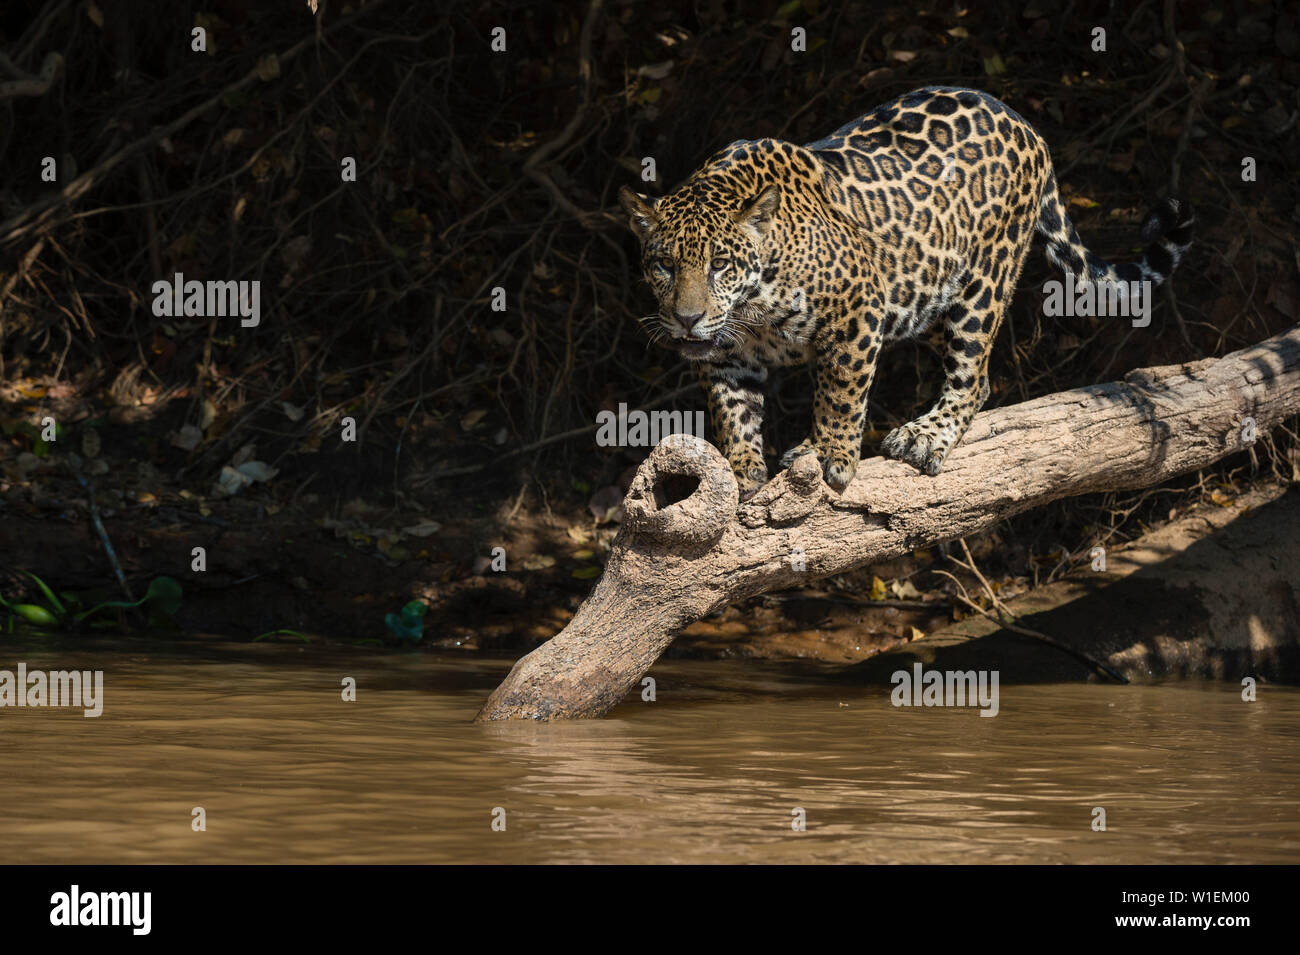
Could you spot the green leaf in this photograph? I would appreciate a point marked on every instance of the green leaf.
(37, 615)
(164, 594)
(586, 573)
(163, 597)
(49, 594)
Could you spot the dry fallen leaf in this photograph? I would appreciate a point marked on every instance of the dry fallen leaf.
(607, 504)
(230, 482)
(257, 470)
(187, 438)
(422, 529)
(245, 453)
(905, 590)
(268, 67)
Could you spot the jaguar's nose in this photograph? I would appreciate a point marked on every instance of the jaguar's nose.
(687, 321)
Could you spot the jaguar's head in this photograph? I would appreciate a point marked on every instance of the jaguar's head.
(702, 256)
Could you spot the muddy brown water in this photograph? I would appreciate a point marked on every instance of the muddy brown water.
(711, 771)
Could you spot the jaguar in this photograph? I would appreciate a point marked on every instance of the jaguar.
(773, 254)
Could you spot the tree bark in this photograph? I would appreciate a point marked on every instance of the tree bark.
(688, 547)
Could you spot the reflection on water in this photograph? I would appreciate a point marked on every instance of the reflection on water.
(287, 772)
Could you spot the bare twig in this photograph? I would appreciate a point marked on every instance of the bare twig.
(37, 85)
(533, 166)
(98, 524)
(1010, 621)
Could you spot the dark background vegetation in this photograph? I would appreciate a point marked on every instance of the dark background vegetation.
(479, 170)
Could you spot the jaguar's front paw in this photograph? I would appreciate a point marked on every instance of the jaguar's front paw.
(750, 480)
(920, 443)
(839, 470)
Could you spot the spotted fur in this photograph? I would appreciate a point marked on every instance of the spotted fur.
(773, 254)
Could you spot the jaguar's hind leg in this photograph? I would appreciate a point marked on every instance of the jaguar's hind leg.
(970, 327)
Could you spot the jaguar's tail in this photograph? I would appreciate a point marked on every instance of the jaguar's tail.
(1167, 230)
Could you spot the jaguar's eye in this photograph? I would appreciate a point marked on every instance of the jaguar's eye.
(720, 264)
(662, 265)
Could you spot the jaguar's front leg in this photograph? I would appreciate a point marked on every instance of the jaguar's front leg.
(735, 390)
(845, 366)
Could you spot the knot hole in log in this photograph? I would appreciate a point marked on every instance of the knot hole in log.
(683, 494)
(673, 488)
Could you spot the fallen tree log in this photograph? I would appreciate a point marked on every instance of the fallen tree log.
(687, 545)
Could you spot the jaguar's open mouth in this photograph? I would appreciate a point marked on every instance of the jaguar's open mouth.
(697, 347)
(694, 347)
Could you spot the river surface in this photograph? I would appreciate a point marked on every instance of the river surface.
(712, 771)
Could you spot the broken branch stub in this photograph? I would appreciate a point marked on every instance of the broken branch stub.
(683, 494)
(688, 547)
(680, 503)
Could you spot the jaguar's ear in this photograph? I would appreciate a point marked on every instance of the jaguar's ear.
(761, 210)
(640, 211)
